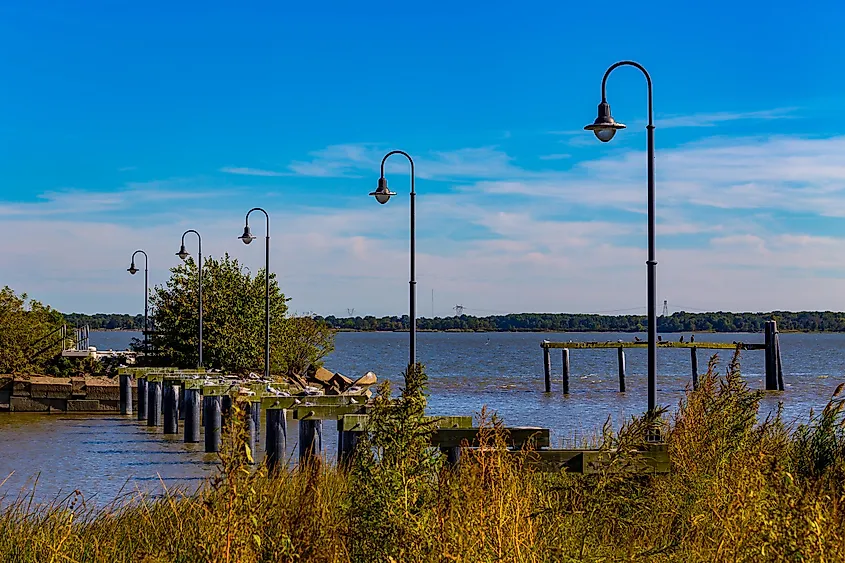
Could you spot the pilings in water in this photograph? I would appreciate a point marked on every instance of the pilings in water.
(125, 393)
(346, 444)
(771, 346)
(693, 358)
(620, 356)
(547, 363)
(171, 409)
(154, 403)
(212, 419)
(565, 370)
(142, 398)
(774, 368)
(276, 434)
(192, 415)
(310, 439)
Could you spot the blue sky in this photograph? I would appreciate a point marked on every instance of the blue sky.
(124, 124)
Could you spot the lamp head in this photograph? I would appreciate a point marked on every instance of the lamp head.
(604, 126)
(382, 193)
(183, 253)
(132, 269)
(247, 237)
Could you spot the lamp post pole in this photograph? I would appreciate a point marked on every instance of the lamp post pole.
(604, 128)
(132, 270)
(183, 254)
(248, 238)
(382, 195)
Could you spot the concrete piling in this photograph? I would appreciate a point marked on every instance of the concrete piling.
(142, 398)
(154, 403)
(310, 439)
(547, 366)
(125, 393)
(192, 415)
(620, 355)
(212, 418)
(275, 437)
(171, 409)
(249, 423)
(694, 362)
(565, 371)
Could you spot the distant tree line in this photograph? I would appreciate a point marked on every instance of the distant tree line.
(110, 321)
(809, 321)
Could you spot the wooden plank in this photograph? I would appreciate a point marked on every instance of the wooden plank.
(517, 436)
(307, 401)
(703, 345)
(327, 412)
(653, 460)
(358, 422)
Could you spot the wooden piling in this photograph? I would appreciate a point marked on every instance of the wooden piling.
(276, 432)
(565, 361)
(547, 363)
(212, 418)
(192, 415)
(620, 356)
(125, 393)
(171, 409)
(154, 403)
(777, 356)
(771, 357)
(142, 398)
(310, 439)
(694, 361)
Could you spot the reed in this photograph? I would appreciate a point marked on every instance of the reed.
(739, 490)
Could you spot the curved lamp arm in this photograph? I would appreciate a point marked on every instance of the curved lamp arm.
(406, 155)
(647, 77)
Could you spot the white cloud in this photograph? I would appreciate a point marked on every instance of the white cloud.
(549, 241)
(714, 119)
(252, 171)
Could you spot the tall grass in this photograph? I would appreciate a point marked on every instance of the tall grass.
(739, 490)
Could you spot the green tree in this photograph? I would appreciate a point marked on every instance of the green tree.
(30, 333)
(233, 322)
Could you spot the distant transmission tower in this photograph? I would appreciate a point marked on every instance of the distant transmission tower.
(665, 308)
(350, 312)
(459, 310)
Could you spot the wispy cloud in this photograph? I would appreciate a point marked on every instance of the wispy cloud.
(558, 156)
(243, 171)
(714, 119)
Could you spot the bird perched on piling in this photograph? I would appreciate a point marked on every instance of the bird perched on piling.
(682, 339)
(692, 338)
(637, 339)
(660, 339)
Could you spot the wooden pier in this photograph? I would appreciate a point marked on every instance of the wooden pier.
(349, 410)
(771, 346)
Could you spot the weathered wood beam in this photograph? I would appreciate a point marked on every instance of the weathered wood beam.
(703, 345)
(516, 436)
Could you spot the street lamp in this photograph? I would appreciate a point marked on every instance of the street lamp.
(133, 270)
(382, 195)
(183, 254)
(248, 238)
(605, 128)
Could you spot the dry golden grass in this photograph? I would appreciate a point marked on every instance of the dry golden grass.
(739, 490)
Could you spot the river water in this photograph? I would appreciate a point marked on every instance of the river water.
(100, 456)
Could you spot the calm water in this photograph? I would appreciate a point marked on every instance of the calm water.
(101, 455)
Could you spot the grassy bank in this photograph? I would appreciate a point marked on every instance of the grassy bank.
(739, 490)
